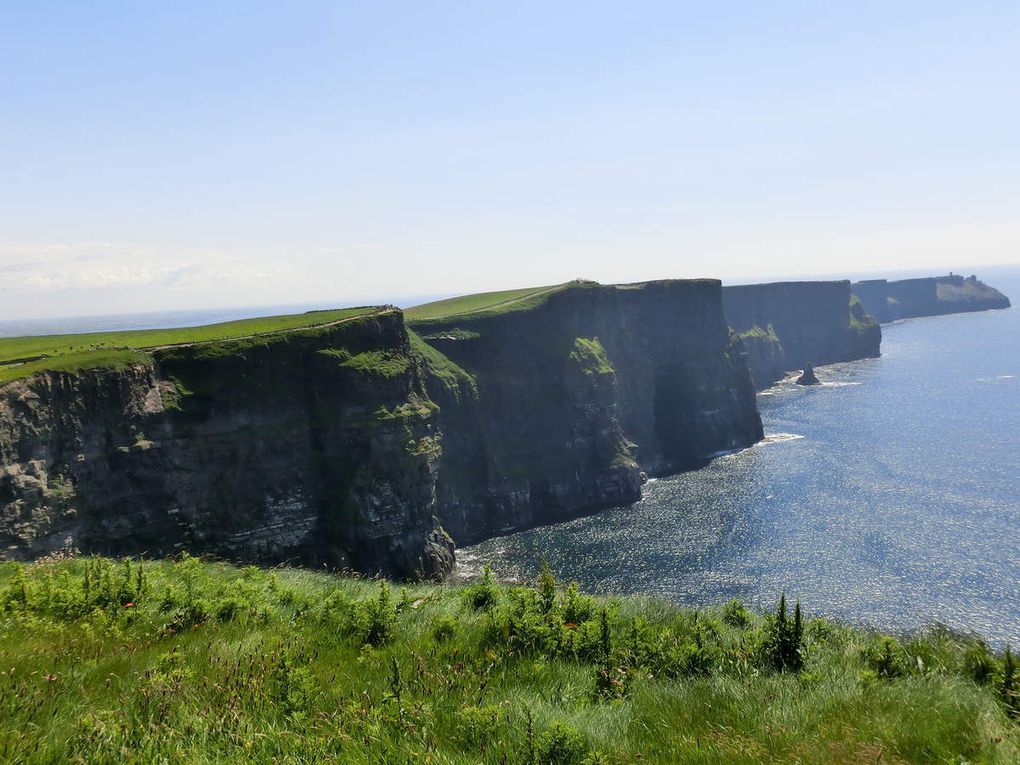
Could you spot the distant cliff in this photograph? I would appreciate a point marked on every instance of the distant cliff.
(554, 409)
(931, 296)
(316, 446)
(787, 325)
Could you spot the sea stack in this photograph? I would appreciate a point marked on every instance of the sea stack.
(808, 377)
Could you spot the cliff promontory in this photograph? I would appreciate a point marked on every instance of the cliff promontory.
(790, 325)
(566, 395)
(930, 296)
(315, 446)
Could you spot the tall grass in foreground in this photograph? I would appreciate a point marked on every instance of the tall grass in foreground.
(118, 661)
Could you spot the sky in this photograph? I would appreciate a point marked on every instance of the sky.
(190, 155)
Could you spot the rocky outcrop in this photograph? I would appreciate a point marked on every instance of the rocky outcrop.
(931, 296)
(808, 377)
(317, 447)
(555, 411)
(788, 325)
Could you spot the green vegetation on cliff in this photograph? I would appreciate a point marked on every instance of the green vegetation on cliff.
(757, 333)
(23, 356)
(74, 362)
(485, 304)
(188, 662)
(589, 354)
(456, 379)
(380, 363)
(504, 300)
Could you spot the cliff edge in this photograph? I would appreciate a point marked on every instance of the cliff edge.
(931, 296)
(315, 446)
(564, 396)
(789, 325)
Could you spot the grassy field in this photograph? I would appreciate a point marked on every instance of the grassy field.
(115, 662)
(505, 300)
(104, 349)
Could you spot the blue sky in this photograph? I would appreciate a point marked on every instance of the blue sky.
(189, 155)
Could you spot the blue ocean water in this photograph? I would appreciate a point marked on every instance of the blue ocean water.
(888, 497)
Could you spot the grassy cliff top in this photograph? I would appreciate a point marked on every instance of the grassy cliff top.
(487, 302)
(23, 356)
(109, 661)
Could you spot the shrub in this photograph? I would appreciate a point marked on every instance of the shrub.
(1009, 686)
(380, 617)
(735, 615)
(783, 644)
(445, 629)
(979, 663)
(560, 744)
(887, 659)
(546, 588)
(577, 608)
(484, 593)
(477, 727)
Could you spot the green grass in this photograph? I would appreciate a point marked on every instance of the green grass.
(113, 662)
(384, 364)
(487, 302)
(75, 362)
(23, 356)
(757, 332)
(452, 376)
(589, 354)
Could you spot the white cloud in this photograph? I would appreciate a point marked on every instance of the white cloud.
(89, 266)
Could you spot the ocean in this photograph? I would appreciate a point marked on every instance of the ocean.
(889, 497)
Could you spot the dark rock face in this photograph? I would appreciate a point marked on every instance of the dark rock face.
(808, 377)
(574, 398)
(323, 447)
(931, 296)
(263, 450)
(788, 325)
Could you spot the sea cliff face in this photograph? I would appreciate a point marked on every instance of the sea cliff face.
(788, 325)
(316, 447)
(931, 296)
(570, 400)
(353, 444)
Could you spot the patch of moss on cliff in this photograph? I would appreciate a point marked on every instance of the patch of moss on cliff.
(768, 334)
(589, 354)
(415, 407)
(452, 376)
(859, 320)
(385, 364)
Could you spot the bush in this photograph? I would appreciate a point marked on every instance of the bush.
(979, 663)
(483, 594)
(478, 727)
(577, 608)
(735, 615)
(380, 617)
(782, 648)
(1009, 686)
(560, 744)
(445, 629)
(887, 659)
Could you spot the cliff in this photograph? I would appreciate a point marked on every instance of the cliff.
(553, 404)
(789, 325)
(315, 446)
(931, 296)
